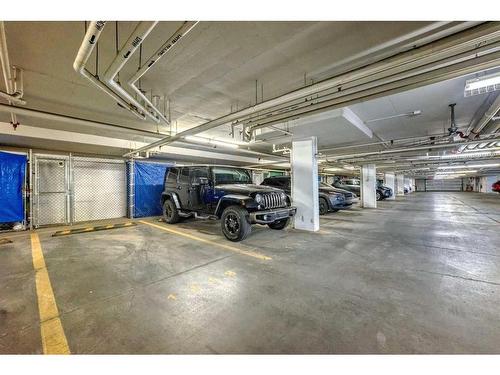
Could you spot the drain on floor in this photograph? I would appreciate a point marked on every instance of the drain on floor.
(92, 229)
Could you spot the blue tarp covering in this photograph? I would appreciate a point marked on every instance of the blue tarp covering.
(148, 179)
(12, 169)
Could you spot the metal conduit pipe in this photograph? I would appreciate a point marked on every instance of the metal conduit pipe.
(167, 46)
(6, 70)
(403, 150)
(108, 126)
(485, 119)
(76, 121)
(430, 57)
(14, 98)
(133, 42)
(398, 81)
(89, 41)
(426, 55)
(477, 35)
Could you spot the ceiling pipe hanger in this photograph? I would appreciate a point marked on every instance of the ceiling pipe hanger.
(186, 27)
(79, 65)
(135, 39)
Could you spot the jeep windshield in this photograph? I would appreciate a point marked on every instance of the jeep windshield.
(228, 175)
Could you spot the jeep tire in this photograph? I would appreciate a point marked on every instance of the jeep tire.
(235, 224)
(170, 213)
(323, 206)
(279, 224)
(379, 196)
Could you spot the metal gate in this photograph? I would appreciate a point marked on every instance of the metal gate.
(52, 196)
(100, 189)
(72, 189)
(451, 184)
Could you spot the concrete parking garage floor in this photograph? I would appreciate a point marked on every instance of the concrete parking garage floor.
(417, 275)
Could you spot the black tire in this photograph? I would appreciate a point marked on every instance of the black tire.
(235, 224)
(379, 196)
(170, 213)
(323, 206)
(280, 224)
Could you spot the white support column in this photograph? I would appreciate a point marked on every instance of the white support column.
(368, 186)
(390, 182)
(400, 184)
(305, 183)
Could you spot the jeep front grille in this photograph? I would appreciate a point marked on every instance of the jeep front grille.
(273, 200)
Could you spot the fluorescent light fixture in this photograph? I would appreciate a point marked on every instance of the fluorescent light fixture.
(470, 166)
(481, 85)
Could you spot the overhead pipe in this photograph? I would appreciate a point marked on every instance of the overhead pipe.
(13, 98)
(481, 35)
(107, 126)
(160, 52)
(133, 42)
(89, 41)
(7, 72)
(76, 120)
(485, 119)
(402, 150)
(437, 51)
(404, 80)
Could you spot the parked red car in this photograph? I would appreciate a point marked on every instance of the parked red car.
(496, 186)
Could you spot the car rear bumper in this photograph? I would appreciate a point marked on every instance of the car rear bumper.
(270, 216)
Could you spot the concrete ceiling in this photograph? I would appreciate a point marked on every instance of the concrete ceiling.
(224, 66)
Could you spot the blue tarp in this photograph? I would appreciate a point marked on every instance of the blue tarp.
(148, 180)
(12, 170)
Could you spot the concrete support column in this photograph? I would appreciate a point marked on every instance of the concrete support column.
(390, 182)
(368, 186)
(400, 184)
(305, 184)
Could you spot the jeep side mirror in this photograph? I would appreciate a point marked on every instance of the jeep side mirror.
(200, 181)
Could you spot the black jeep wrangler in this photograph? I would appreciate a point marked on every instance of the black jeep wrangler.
(226, 193)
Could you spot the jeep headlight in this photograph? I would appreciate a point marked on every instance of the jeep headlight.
(258, 198)
(283, 196)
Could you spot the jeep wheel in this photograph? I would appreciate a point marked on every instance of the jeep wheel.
(279, 224)
(235, 224)
(323, 206)
(170, 213)
(379, 196)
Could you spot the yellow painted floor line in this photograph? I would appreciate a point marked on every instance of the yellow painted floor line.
(223, 246)
(52, 332)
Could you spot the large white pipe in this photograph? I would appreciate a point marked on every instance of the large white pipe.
(76, 121)
(6, 69)
(14, 98)
(133, 42)
(167, 46)
(89, 41)
(485, 119)
(406, 149)
(483, 34)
